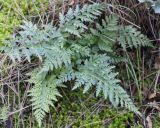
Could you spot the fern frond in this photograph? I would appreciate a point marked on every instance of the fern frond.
(106, 33)
(79, 50)
(32, 41)
(74, 21)
(66, 75)
(58, 56)
(110, 32)
(131, 37)
(90, 12)
(43, 95)
(97, 72)
(94, 65)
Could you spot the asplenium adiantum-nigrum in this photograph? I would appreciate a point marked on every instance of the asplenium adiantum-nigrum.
(75, 51)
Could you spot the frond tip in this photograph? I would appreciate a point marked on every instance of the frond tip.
(43, 96)
(74, 21)
(131, 37)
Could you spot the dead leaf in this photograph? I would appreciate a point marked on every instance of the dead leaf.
(157, 63)
(71, 2)
(149, 122)
(152, 95)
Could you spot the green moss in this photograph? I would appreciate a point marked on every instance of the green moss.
(121, 121)
(12, 12)
(156, 122)
(77, 110)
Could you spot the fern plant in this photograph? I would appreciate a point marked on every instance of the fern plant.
(75, 50)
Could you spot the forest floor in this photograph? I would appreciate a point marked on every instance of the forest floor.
(140, 77)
